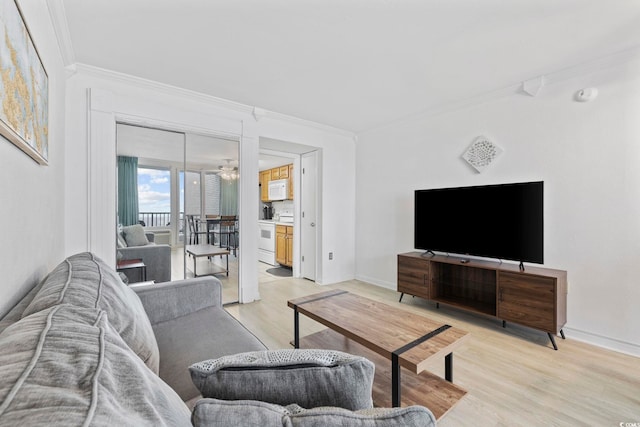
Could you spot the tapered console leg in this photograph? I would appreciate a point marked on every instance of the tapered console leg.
(553, 341)
(448, 367)
(401, 295)
(562, 334)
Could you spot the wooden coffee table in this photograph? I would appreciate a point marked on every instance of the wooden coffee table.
(197, 251)
(384, 334)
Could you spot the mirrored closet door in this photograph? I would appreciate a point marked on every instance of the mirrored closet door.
(180, 192)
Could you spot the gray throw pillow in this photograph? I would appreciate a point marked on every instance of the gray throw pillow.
(249, 413)
(84, 280)
(411, 416)
(309, 378)
(244, 413)
(134, 235)
(67, 366)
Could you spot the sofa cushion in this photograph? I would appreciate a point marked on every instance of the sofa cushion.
(67, 366)
(219, 413)
(309, 378)
(84, 280)
(224, 335)
(134, 235)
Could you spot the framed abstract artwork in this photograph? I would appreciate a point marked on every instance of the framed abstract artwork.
(24, 86)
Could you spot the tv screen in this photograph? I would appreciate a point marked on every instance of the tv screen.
(497, 221)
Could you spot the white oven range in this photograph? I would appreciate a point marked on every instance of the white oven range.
(267, 242)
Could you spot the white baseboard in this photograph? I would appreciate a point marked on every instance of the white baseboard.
(602, 341)
(374, 281)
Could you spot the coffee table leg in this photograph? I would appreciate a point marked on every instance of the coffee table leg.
(296, 328)
(448, 367)
(395, 381)
(194, 266)
(227, 264)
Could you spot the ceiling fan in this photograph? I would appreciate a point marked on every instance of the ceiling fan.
(227, 171)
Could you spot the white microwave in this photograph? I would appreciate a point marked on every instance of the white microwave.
(278, 189)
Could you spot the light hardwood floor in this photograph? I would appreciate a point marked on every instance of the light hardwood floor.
(513, 376)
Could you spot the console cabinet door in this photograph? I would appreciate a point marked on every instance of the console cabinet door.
(413, 276)
(527, 300)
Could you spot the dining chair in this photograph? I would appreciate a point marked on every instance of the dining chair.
(194, 230)
(227, 227)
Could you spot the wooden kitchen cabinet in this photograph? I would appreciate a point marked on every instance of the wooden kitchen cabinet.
(265, 177)
(290, 167)
(289, 248)
(284, 245)
(281, 172)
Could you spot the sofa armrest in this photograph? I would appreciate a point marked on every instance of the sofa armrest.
(170, 300)
(157, 258)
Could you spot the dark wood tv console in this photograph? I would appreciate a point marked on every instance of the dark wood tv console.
(535, 297)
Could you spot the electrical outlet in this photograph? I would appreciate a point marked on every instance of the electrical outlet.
(330, 255)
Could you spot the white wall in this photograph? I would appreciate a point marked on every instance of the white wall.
(119, 97)
(588, 155)
(32, 196)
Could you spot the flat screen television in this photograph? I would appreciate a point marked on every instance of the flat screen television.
(496, 221)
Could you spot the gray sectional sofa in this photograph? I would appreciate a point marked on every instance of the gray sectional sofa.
(82, 348)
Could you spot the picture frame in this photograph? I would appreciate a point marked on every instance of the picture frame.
(24, 86)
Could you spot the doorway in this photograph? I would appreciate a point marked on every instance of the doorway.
(302, 233)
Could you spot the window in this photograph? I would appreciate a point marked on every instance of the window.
(154, 196)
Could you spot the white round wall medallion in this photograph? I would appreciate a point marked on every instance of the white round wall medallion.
(481, 153)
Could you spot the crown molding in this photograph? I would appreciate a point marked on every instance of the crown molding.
(199, 96)
(617, 59)
(164, 88)
(307, 123)
(61, 28)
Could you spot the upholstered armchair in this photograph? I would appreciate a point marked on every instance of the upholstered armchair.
(135, 243)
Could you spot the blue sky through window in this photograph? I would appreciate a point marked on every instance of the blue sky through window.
(154, 190)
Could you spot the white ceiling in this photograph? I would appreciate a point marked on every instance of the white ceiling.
(351, 64)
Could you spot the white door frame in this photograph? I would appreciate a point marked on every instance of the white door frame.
(309, 223)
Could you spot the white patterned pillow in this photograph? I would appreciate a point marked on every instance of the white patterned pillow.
(309, 378)
(67, 366)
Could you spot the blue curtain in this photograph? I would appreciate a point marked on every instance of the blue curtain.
(228, 197)
(127, 190)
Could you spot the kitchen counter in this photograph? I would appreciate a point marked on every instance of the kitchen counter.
(271, 221)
